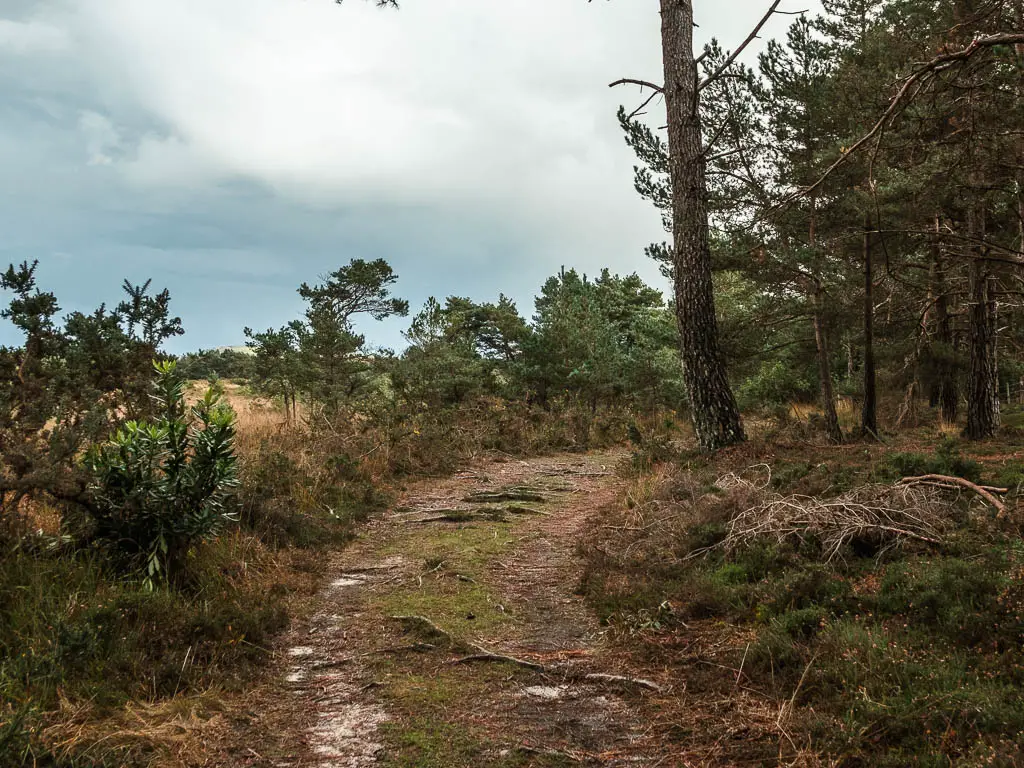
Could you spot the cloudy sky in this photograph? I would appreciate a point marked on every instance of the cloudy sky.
(231, 149)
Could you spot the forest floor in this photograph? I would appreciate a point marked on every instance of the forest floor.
(450, 634)
(538, 613)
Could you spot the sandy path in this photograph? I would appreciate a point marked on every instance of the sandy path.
(494, 576)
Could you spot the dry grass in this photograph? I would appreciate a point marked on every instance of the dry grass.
(168, 733)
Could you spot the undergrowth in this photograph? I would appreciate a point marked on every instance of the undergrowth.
(76, 633)
(81, 643)
(907, 656)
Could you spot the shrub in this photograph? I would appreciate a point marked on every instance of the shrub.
(947, 460)
(802, 623)
(160, 487)
(775, 383)
(808, 587)
(965, 601)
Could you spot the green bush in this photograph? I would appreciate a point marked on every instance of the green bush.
(1011, 477)
(808, 587)
(962, 599)
(731, 574)
(775, 383)
(947, 460)
(801, 624)
(160, 487)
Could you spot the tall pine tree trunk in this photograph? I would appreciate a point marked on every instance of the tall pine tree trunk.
(946, 395)
(982, 377)
(716, 418)
(869, 411)
(828, 398)
(1019, 49)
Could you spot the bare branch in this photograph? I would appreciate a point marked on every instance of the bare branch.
(641, 83)
(733, 56)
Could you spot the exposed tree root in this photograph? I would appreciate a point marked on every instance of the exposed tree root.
(573, 473)
(518, 509)
(565, 674)
(553, 753)
(478, 654)
(457, 515)
(449, 516)
(499, 658)
(508, 494)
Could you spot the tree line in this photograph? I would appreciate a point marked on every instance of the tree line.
(865, 185)
(592, 343)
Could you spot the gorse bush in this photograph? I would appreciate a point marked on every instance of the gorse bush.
(159, 487)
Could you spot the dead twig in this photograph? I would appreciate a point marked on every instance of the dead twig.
(601, 677)
(945, 481)
(891, 514)
(555, 753)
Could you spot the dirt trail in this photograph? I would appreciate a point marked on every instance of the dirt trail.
(481, 565)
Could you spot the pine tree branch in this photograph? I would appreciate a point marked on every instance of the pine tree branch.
(913, 82)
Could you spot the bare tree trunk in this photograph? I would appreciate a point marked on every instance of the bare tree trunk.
(1019, 49)
(869, 410)
(983, 380)
(946, 395)
(828, 398)
(716, 419)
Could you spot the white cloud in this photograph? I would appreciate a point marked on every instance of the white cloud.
(446, 100)
(31, 37)
(481, 122)
(102, 138)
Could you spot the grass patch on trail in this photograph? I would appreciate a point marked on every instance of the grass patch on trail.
(453, 591)
(424, 733)
(421, 742)
(910, 656)
(450, 716)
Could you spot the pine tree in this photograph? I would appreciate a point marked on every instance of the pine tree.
(716, 417)
(797, 101)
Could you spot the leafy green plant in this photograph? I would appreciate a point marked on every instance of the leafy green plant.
(159, 487)
(947, 460)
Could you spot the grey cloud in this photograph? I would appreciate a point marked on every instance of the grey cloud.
(233, 149)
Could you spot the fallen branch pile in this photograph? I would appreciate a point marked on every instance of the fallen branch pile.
(891, 515)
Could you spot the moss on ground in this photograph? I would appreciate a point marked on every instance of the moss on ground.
(453, 591)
